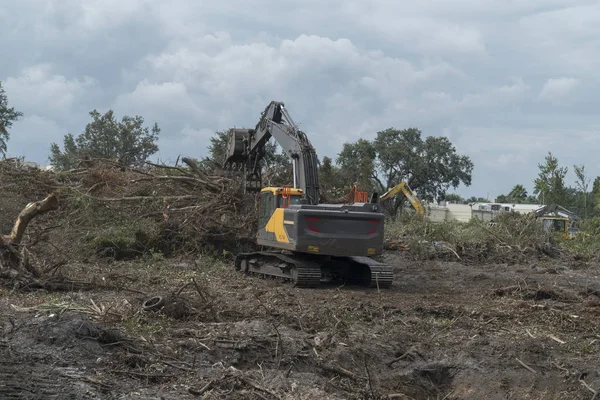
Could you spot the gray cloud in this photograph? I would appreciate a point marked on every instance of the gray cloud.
(505, 82)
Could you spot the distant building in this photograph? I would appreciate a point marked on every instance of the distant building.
(488, 211)
(497, 207)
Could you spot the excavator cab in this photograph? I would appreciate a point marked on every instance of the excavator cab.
(555, 218)
(272, 198)
(556, 224)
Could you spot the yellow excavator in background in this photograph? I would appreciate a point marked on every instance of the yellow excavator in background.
(558, 219)
(408, 193)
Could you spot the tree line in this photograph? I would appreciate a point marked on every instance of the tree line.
(549, 187)
(431, 166)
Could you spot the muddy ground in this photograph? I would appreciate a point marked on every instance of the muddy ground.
(443, 331)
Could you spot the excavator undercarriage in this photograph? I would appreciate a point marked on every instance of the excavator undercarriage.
(305, 270)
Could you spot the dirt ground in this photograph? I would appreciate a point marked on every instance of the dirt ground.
(443, 331)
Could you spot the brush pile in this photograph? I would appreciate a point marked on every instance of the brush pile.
(514, 238)
(106, 209)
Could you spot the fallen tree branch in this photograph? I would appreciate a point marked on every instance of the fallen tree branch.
(183, 171)
(193, 166)
(137, 198)
(588, 387)
(526, 366)
(339, 370)
(31, 211)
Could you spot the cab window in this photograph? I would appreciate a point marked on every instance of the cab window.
(267, 205)
(293, 200)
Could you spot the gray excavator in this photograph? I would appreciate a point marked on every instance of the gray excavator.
(309, 243)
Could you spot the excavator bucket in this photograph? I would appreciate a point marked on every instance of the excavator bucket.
(236, 145)
(236, 159)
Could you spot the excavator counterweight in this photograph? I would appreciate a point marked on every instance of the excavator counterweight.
(311, 242)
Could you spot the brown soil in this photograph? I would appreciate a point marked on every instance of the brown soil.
(443, 331)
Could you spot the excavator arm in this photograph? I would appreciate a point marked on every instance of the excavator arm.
(246, 149)
(408, 193)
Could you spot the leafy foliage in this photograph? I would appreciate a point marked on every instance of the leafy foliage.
(453, 197)
(582, 184)
(475, 199)
(216, 150)
(332, 180)
(430, 166)
(8, 115)
(515, 238)
(550, 183)
(126, 141)
(517, 195)
(357, 163)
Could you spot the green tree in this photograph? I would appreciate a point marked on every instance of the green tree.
(216, 151)
(518, 194)
(583, 184)
(278, 168)
(331, 180)
(430, 166)
(8, 115)
(596, 185)
(594, 197)
(453, 197)
(126, 141)
(475, 199)
(550, 183)
(357, 165)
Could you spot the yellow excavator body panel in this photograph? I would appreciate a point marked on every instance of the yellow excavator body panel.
(276, 225)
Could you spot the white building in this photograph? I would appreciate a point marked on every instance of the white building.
(498, 207)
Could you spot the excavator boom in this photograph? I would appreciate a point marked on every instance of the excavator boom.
(246, 150)
(408, 193)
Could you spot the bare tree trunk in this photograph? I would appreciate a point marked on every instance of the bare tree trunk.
(31, 211)
(9, 256)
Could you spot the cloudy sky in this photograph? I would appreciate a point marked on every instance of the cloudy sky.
(506, 82)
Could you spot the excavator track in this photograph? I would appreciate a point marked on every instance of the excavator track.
(311, 271)
(382, 275)
(303, 273)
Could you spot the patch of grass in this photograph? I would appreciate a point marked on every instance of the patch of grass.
(583, 247)
(143, 325)
(586, 243)
(584, 347)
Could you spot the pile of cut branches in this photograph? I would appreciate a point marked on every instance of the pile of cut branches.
(106, 209)
(514, 238)
(174, 208)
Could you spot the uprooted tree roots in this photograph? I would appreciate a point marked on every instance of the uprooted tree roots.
(15, 265)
